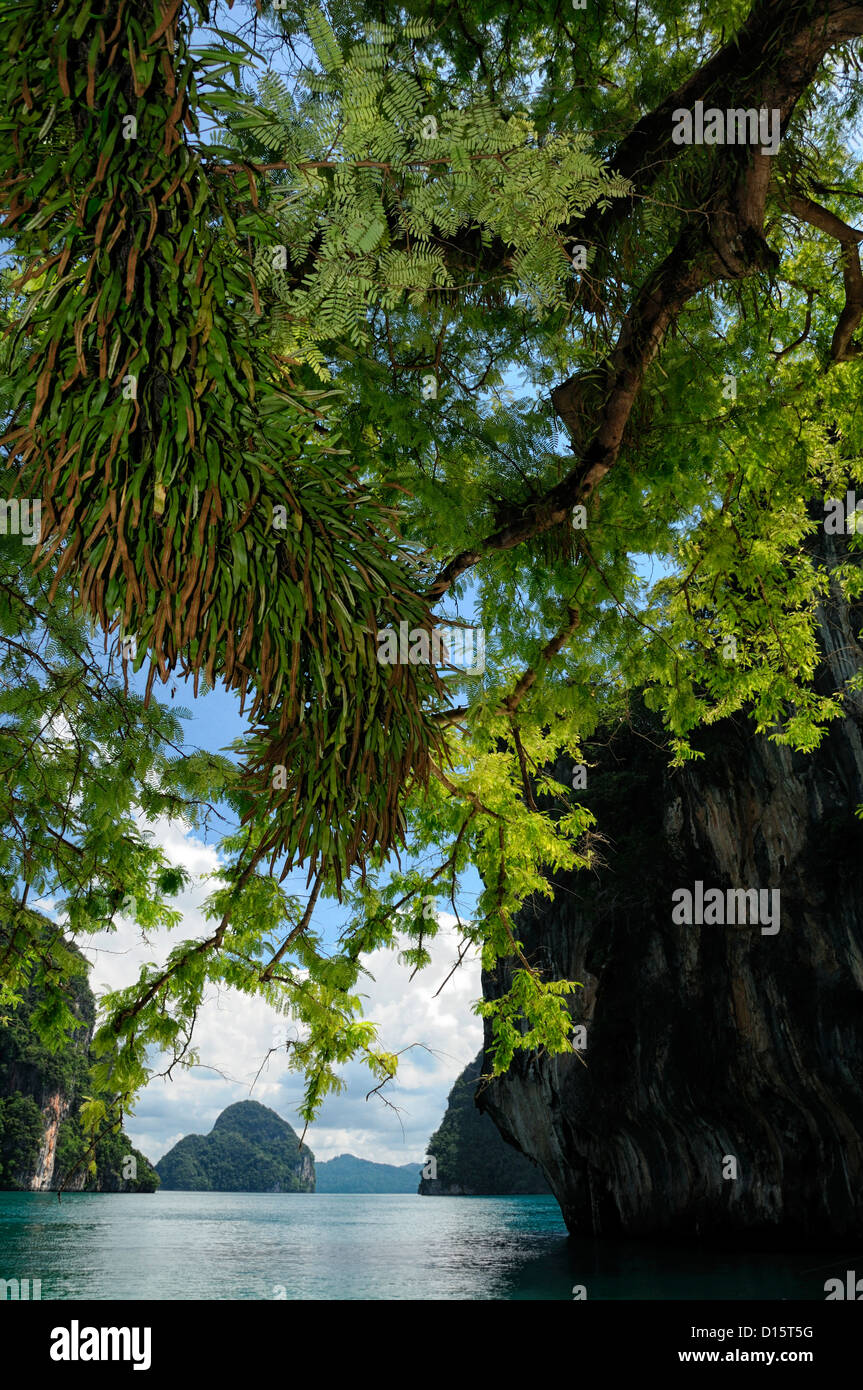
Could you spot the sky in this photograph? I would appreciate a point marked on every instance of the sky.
(233, 1032)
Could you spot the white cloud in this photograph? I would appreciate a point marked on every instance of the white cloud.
(234, 1032)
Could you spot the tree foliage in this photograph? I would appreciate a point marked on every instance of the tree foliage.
(642, 377)
(20, 1137)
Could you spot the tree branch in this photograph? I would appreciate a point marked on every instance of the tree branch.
(843, 347)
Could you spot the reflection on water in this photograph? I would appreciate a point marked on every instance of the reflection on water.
(630, 1269)
(211, 1245)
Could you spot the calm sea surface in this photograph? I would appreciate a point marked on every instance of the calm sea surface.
(212, 1245)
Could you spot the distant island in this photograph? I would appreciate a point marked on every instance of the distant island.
(471, 1158)
(252, 1149)
(349, 1174)
(249, 1149)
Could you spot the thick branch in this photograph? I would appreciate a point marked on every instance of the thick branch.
(842, 348)
(298, 929)
(740, 74)
(724, 241)
(696, 261)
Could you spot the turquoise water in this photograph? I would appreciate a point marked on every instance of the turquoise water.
(212, 1245)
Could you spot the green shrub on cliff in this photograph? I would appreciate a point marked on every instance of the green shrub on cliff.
(21, 1129)
(110, 1169)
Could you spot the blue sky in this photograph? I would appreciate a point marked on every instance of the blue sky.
(234, 1033)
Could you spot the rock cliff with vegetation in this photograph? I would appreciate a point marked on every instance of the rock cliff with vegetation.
(43, 1144)
(249, 1149)
(471, 1158)
(718, 1090)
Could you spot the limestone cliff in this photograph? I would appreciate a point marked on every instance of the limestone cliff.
(470, 1158)
(55, 1110)
(42, 1143)
(706, 1043)
(249, 1149)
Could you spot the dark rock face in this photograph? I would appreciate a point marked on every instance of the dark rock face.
(705, 1042)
